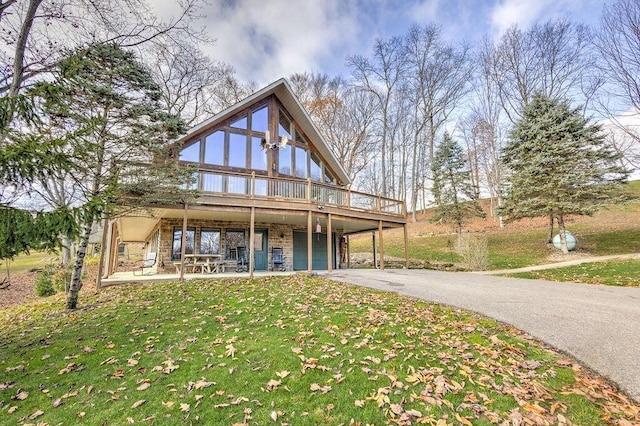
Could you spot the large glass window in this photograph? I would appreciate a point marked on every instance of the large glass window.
(284, 160)
(316, 167)
(328, 177)
(212, 183)
(241, 123)
(260, 120)
(284, 126)
(237, 150)
(258, 155)
(191, 153)
(177, 242)
(234, 238)
(301, 162)
(210, 241)
(214, 149)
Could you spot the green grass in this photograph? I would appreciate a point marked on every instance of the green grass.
(302, 350)
(26, 262)
(617, 273)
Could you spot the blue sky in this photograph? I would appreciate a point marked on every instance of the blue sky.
(268, 39)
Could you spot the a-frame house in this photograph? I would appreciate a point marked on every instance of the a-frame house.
(267, 181)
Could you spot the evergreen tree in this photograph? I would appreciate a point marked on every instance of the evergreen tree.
(104, 105)
(452, 189)
(559, 165)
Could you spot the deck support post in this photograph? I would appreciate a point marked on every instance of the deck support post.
(406, 245)
(252, 230)
(309, 243)
(348, 251)
(183, 243)
(381, 246)
(329, 245)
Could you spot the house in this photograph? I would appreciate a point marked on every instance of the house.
(266, 179)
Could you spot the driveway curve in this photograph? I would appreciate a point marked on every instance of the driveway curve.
(598, 325)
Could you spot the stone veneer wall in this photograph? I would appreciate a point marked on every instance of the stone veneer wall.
(280, 235)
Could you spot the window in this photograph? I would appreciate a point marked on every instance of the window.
(301, 162)
(284, 126)
(260, 120)
(210, 241)
(234, 238)
(284, 160)
(316, 167)
(191, 153)
(258, 155)
(212, 183)
(214, 149)
(328, 177)
(240, 123)
(237, 150)
(258, 239)
(177, 242)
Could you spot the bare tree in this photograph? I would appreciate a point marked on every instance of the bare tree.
(343, 115)
(618, 42)
(381, 76)
(36, 33)
(551, 58)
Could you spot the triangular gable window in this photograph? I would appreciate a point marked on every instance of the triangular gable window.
(284, 126)
(191, 153)
(241, 123)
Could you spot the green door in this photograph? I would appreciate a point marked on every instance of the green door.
(260, 248)
(319, 247)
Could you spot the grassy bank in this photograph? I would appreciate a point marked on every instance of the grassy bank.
(283, 350)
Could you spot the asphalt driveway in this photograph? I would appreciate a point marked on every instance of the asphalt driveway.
(598, 325)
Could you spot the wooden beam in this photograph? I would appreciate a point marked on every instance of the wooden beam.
(113, 248)
(103, 249)
(348, 251)
(381, 245)
(406, 246)
(252, 230)
(183, 244)
(309, 242)
(329, 245)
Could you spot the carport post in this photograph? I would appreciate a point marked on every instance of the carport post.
(183, 244)
(309, 244)
(252, 230)
(103, 249)
(329, 245)
(406, 246)
(381, 246)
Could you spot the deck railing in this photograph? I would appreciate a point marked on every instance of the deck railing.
(295, 190)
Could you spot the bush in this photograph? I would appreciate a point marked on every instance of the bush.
(44, 284)
(474, 250)
(61, 280)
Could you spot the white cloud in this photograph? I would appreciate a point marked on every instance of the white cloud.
(520, 12)
(268, 40)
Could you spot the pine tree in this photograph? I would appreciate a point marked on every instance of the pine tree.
(559, 164)
(452, 189)
(104, 105)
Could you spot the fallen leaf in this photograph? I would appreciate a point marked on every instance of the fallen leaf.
(36, 415)
(359, 403)
(274, 416)
(138, 403)
(144, 386)
(185, 407)
(12, 409)
(132, 362)
(168, 404)
(21, 396)
(283, 374)
(68, 368)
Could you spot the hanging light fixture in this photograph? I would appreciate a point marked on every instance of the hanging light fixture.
(267, 144)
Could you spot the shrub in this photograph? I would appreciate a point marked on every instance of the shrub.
(474, 250)
(61, 280)
(44, 284)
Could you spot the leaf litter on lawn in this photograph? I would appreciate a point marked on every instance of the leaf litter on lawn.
(291, 350)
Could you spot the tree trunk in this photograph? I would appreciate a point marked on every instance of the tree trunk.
(66, 250)
(550, 239)
(76, 284)
(563, 235)
(6, 264)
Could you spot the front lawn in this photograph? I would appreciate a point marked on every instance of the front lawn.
(617, 272)
(284, 350)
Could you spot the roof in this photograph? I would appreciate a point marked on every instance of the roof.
(282, 90)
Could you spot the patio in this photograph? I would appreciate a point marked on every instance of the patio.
(127, 277)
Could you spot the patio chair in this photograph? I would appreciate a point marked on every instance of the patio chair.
(278, 261)
(242, 263)
(148, 262)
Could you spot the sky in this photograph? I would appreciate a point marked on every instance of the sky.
(265, 40)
